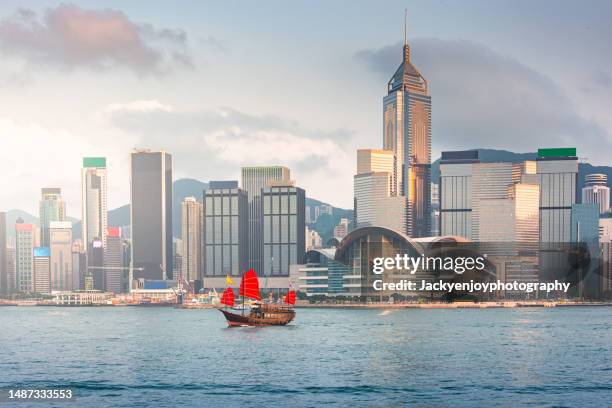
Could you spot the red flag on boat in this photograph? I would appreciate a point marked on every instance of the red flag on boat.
(227, 298)
(249, 285)
(290, 297)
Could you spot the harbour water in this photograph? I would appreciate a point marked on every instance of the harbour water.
(160, 357)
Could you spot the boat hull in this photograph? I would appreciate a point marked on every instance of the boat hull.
(279, 317)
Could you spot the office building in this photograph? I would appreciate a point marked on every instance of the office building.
(60, 233)
(51, 208)
(24, 256)
(226, 232)
(192, 225)
(95, 276)
(584, 231)
(42, 270)
(177, 259)
(254, 179)
(3, 256)
(94, 200)
(79, 264)
(407, 132)
(375, 203)
(151, 214)
(455, 193)
(11, 261)
(283, 228)
(113, 261)
(509, 227)
(596, 190)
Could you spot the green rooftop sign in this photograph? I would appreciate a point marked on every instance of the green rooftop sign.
(557, 152)
(94, 162)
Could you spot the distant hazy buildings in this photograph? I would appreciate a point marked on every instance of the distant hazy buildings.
(342, 229)
(151, 214)
(226, 231)
(42, 270)
(51, 208)
(313, 239)
(94, 199)
(61, 255)
(24, 258)
(284, 210)
(191, 227)
(597, 191)
(254, 179)
(3, 256)
(407, 133)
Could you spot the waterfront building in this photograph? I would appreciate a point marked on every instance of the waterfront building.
(407, 132)
(60, 235)
(51, 208)
(79, 264)
(191, 227)
(95, 277)
(254, 179)
(342, 229)
(94, 200)
(3, 256)
(42, 270)
(455, 192)
(226, 232)
(605, 242)
(151, 214)
(24, 256)
(320, 274)
(11, 269)
(584, 231)
(283, 228)
(509, 227)
(113, 261)
(596, 190)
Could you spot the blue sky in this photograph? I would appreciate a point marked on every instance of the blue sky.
(225, 84)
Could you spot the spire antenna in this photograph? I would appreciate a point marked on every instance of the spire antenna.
(405, 26)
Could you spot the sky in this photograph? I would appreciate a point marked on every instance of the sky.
(221, 85)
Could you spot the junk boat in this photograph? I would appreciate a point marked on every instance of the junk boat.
(259, 314)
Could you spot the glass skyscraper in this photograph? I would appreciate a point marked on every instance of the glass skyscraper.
(52, 208)
(225, 232)
(151, 214)
(284, 223)
(94, 200)
(254, 179)
(407, 132)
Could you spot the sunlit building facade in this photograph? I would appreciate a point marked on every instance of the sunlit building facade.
(61, 255)
(191, 238)
(51, 208)
(94, 199)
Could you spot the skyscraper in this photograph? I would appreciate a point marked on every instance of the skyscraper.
(597, 191)
(52, 208)
(60, 233)
(3, 256)
(254, 179)
(24, 260)
(284, 233)
(151, 214)
(407, 132)
(191, 234)
(226, 232)
(113, 261)
(42, 270)
(94, 208)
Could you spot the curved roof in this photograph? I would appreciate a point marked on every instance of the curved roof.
(326, 252)
(364, 231)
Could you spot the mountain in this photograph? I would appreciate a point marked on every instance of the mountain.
(325, 223)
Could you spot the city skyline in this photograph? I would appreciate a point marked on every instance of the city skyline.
(175, 83)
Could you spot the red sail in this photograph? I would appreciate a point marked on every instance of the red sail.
(227, 298)
(249, 286)
(290, 297)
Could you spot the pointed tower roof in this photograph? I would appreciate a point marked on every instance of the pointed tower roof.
(407, 76)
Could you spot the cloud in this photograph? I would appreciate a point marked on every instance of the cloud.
(215, 144)
(69, 36)
(484, 99)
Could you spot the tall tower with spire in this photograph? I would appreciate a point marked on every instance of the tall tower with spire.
(407, 132)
